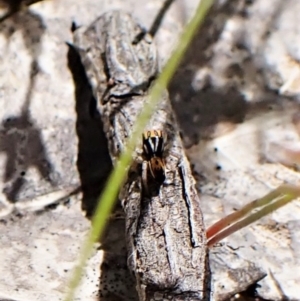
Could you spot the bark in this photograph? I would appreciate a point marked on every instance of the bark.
(165, 234)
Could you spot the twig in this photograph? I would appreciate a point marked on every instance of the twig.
(165, 234)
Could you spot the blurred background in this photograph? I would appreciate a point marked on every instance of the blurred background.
(236, 97)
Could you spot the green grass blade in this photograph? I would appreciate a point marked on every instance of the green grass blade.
(109, 195)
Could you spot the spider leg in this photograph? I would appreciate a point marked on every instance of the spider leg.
(144, 176)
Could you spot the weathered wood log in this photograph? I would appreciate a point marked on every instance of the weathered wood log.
(165, 235)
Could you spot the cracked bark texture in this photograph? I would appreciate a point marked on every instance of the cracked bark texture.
(235, 96)
(165, 235)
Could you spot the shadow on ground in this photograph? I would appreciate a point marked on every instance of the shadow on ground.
(20, 139)
(93, 160)
(94, 165)
(199, 110)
